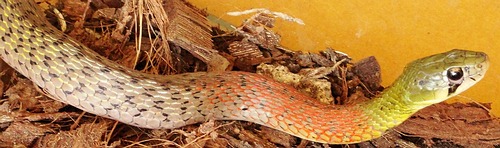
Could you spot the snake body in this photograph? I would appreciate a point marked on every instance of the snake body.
(74, 74)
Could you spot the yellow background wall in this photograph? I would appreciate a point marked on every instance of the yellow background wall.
(396, 32)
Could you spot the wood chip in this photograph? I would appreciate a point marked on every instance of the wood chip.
(23, 133)
(463, 124)
(87, 135)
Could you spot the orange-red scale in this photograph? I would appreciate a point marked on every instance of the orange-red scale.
(269, 103)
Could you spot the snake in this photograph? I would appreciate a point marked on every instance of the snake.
(72, 73)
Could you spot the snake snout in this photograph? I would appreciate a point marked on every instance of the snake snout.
(464, 69)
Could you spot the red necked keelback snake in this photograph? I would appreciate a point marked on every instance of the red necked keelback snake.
(75, 75)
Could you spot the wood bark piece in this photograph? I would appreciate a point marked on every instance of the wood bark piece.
(368, 71)
(189, 29)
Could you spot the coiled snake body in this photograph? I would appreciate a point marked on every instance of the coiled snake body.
(74, 74)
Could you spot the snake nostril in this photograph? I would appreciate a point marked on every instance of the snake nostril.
(479, 65)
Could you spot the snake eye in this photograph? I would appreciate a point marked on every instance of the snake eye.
(455, 75)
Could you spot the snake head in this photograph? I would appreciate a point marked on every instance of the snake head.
(436, 78)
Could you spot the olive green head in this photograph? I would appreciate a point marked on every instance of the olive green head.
(436, 78)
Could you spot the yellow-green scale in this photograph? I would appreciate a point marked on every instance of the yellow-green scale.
(391, 108)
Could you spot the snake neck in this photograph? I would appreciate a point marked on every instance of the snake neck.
(390, 109)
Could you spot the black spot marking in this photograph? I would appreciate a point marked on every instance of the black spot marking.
(87, 67)
(58, 42)
(79, 54)
(121, 83)
(134, 80)
(33, 62)
(105, 70)
(100, 92)
(65, 55)
(143, 110)
(53, 75)
(165, 114)
(159, 102)
(175, 98)
(79, 89)
(157, 107)
(149, 89)
(86, 74)
(102, 88)
(43, 79)
(117, 87)
(82, 84)
(129, 102)
(147, 94)
(63, 60)
(129, 97)
(115, 105)
(30, 12)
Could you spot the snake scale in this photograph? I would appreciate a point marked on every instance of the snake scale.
(74, 74)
